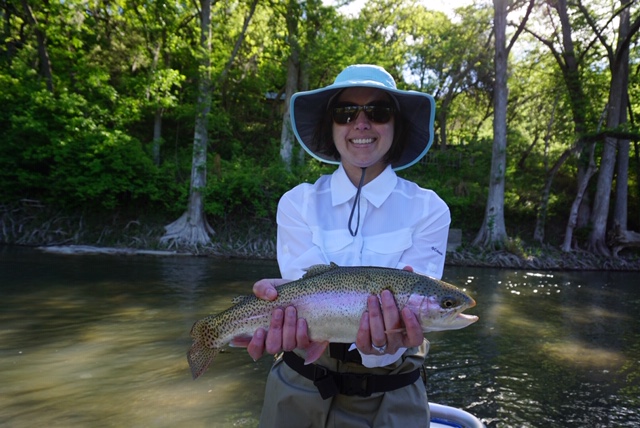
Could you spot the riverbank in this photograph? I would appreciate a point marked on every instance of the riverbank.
(116, 235)
(544, 258)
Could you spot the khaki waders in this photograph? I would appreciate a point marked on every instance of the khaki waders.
(291, 400)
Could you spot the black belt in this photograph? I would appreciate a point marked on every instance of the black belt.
(340, 351)
(330, 383)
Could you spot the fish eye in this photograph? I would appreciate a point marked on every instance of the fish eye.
(447, 302)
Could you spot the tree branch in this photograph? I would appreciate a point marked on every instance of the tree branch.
(521, 26)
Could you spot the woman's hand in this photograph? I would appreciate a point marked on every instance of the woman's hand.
(286, 332)
(384, 329)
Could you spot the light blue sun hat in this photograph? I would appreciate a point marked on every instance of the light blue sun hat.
(418, 109)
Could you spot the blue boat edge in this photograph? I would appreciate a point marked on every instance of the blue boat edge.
(446, 417)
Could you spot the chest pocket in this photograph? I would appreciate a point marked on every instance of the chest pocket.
(332, 241)
(387, 248)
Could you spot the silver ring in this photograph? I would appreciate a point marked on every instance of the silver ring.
(380, 349)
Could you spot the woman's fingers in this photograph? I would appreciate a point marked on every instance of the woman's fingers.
(302, 334)
(265, 289)
(414, 335)
(256, 345)
(392, 321)
(273, 343)
(384, 329)
(289, 329)
(376, 323)
(286, 332)
(363, 337)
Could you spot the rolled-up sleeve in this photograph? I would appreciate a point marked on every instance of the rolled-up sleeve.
(296, 250)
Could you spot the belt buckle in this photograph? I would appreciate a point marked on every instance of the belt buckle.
(356, 384)
(319, 372)
(325, 382)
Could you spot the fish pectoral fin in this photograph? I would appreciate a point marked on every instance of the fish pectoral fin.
(240, 341)
(314, 351)
(396, 330)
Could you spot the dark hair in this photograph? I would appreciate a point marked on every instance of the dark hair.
(323, 143)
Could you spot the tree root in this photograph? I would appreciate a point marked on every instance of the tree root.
(187, 233)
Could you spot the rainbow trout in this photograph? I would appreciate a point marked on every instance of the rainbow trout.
(331, 299)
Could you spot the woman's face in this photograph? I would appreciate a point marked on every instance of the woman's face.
(363, 143)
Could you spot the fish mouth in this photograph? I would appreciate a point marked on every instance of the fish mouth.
(459, 321)
(467, 319)
(452, 321)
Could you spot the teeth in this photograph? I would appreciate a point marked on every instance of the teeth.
(363, 141)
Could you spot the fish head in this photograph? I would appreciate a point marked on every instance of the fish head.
(440, 306)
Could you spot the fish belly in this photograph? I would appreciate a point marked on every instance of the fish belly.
(331, 316)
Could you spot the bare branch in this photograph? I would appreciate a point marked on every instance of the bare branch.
(521, 26)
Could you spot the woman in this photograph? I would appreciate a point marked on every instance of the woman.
(361, 215)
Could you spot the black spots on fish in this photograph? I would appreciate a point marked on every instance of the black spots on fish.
(205, 332)
(242, 299)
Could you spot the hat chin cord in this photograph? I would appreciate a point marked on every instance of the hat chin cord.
(357, 203)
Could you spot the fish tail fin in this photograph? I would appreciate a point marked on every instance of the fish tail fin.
(199, 358)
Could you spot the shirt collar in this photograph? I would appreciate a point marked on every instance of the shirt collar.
(376, 191)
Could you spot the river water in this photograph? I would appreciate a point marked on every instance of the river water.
(100, 341)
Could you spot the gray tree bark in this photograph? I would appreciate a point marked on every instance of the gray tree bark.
(192, 228)
(619, 62)
(493, 231)
(287, 138)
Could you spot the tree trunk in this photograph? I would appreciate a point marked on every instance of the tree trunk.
(236, 47)
(616, 117)
(621, 238)
(636, 151)
(622, 187)
(45, 63)
(192, 229)
(157, 136)
(154, 51)
(568, 62)
(287, 139)
(567, 244)
(493, 231)
(442, 113)
(622, 175)
(541, 218)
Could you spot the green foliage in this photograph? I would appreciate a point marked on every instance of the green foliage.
(241, 190)
(119, 67)
(459, 176)
(56, 150)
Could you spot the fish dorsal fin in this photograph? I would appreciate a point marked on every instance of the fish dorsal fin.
(319, 269)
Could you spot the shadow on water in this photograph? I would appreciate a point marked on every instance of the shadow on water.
(101, 341)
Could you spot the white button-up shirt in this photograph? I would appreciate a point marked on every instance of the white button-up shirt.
(401, 224)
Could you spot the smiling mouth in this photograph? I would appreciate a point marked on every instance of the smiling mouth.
(363, 141)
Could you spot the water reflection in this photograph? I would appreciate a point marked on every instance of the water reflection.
(101, 341)
(553, 348)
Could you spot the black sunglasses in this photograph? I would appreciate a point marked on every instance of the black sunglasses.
(377, 113)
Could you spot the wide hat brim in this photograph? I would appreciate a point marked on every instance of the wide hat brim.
(418, 109)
